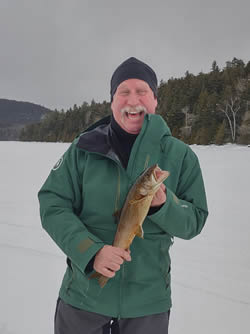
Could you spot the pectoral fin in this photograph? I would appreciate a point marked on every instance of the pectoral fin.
(139, 232)
(117, 215)
(136, 201)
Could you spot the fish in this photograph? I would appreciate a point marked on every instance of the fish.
(135, 210)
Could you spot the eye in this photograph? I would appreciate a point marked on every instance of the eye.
(141, 92)
(124, 92)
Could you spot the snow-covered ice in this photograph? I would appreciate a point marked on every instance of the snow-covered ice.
(210, 273)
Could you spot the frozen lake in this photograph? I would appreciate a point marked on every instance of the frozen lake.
(210, 274)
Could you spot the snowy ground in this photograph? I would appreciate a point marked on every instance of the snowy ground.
(211, 273)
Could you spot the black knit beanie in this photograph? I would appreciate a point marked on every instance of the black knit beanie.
(133, 68)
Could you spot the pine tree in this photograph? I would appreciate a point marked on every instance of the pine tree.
(202, 136)
(215, 67)
(220, 135)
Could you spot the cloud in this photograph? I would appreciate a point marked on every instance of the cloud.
(58, 53)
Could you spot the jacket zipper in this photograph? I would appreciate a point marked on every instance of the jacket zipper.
(118, 190)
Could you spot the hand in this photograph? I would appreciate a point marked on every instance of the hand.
(160, 196)
(109, 260)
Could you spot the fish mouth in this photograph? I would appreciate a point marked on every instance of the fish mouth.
(153, 179)
(159, 176)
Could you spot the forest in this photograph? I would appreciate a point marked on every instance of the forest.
(207, 108)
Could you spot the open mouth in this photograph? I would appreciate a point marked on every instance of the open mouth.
(160, 175)
(134, 114)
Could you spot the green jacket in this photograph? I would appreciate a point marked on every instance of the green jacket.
(89, 184)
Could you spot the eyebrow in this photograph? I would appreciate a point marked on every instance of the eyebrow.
(137, 88)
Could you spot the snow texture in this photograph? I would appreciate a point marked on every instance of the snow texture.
(210, 273)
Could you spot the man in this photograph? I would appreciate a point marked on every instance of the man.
(90, 183)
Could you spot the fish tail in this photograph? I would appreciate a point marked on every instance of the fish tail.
(103, 280)
(95, 275)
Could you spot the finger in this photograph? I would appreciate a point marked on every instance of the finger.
(114, 266)
(122, 253)
(163, 187)
(161, 191)
(117, 259)
(107, 272)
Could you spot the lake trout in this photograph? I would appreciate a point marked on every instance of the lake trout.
(135, 210)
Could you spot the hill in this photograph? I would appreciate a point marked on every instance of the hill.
(15, 115)
(207, 108)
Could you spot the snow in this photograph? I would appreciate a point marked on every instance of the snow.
(210, 273)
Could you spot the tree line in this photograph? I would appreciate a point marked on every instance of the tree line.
(208, 108)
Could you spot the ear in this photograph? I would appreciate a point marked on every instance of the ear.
(111, 106)
(156, 101)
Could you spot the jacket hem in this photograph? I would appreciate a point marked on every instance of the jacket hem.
(159, 307)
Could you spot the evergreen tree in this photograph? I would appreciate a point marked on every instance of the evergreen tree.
(215, 67)
(197, 108)
(247, 69)
(202, 136)
(220, 135)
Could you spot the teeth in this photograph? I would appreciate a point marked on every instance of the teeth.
(134, 112)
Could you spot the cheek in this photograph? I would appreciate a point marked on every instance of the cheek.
(117, 105)
(150, 105)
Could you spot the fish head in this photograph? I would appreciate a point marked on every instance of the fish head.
(152, 179)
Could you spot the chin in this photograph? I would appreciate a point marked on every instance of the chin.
(133, 131)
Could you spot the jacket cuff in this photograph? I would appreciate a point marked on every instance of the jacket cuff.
(179, 218)
(86, 250)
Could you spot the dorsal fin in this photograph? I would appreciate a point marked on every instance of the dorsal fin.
(117, 215)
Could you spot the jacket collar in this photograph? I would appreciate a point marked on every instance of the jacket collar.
(96, 138)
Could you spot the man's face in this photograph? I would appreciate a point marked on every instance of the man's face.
(132, 98)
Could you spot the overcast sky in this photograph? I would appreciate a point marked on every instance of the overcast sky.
(58, 53)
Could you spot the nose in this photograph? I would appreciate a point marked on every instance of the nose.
(133, 99)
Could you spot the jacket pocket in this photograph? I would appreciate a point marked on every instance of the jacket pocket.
(75, 280)
(69, 277)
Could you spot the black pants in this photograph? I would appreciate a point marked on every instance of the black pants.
(71, 320)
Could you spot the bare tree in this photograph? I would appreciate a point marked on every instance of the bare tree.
(185, 111)
(230, 107)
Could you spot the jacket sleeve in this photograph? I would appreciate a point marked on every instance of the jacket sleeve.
(184, 213)
(60, 203)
